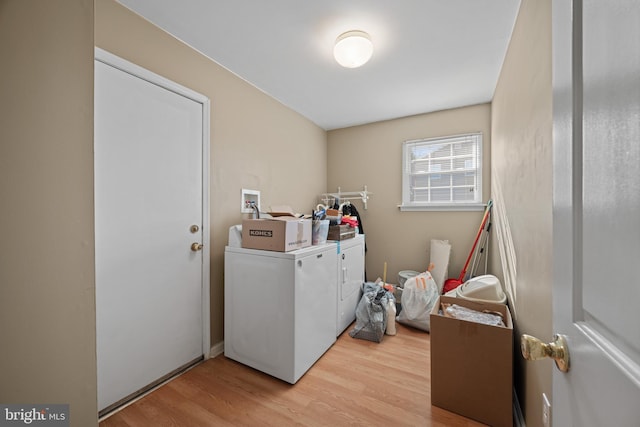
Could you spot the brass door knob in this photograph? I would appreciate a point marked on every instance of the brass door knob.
(534, 349)
(195, 247)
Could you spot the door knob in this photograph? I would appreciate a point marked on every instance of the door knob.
(195, 247)
(534, 349)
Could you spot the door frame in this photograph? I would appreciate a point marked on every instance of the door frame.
(112, 60)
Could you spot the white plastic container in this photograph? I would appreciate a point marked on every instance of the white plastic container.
(484, 288)
(235, 236)
(319, 232)
(390, 328)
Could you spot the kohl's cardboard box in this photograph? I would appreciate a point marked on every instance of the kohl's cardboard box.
(472, 364)
(283, 232)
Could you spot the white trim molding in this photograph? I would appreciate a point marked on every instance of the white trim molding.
(504, 241)
(217, 349)
(142, 73)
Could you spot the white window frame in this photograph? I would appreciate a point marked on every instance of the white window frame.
(449, 205)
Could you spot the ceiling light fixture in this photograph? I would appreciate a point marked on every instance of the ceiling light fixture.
(353, 49)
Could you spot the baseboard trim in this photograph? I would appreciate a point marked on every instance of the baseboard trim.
(217, 349)
(518, 419)
(119, 406)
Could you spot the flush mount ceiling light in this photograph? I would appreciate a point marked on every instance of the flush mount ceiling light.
(353, 49)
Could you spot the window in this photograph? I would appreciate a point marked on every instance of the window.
(442, 173)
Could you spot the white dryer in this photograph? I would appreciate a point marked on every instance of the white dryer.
(350, 280)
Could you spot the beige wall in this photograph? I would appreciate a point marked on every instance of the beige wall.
(522, 166)
(47, 312)
(256, 142)
(372, 155)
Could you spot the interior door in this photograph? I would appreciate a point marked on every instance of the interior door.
(149, 225)
(596, 210)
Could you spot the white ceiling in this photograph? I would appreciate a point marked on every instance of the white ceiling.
(429, 55)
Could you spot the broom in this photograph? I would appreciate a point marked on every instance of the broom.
(451, 284)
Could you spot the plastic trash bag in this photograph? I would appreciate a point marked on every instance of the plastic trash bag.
(371, 313)
(418, 298)
(464, 313)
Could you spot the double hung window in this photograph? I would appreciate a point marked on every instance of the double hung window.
(442, 173)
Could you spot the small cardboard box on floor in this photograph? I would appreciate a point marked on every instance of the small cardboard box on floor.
(471, 364)
(282, 233)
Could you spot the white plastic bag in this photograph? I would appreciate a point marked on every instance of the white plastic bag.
(418, 298)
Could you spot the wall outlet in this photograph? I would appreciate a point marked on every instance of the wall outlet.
(546, 411)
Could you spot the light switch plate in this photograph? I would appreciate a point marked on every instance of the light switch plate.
(546, 411)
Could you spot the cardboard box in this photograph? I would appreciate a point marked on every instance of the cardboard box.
(282, 234)
(472, 364)
(285, 210)
(341, 232)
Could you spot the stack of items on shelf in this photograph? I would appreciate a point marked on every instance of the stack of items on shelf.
(341, 224)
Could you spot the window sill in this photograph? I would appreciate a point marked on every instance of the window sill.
(443, 207)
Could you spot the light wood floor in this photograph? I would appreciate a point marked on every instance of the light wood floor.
(356, 383)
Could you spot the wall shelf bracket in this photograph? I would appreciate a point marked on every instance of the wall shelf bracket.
(341, 196)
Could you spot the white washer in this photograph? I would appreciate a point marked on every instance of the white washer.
(350, 280)
(280, 307)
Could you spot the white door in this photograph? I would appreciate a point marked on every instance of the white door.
(149, 211)
(596, 211)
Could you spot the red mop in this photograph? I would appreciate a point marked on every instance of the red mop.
(451, 284)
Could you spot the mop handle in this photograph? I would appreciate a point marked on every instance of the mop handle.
(473, 248)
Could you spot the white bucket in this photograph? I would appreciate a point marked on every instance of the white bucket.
(485, 288)
(404, 275)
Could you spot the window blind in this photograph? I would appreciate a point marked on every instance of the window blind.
(443, 171)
